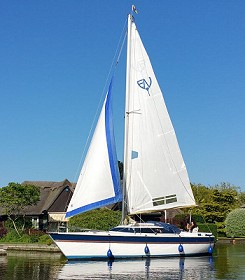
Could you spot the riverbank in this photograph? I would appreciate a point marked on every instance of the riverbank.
(224, 240)
(3, 252)
(31, 247)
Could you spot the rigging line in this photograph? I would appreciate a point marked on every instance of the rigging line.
(111, 73)
(120, 51)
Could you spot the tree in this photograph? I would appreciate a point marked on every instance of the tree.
(201, 193)
(235, 223)
(216, 202)
(242, 198)
(15, 197)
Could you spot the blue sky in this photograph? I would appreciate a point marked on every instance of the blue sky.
(55, 57)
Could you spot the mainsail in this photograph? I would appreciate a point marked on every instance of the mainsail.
(99, 182)
(155, 173)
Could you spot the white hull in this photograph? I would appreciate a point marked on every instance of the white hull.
(95, 245)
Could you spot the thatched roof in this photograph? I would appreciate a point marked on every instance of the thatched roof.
(49, 193)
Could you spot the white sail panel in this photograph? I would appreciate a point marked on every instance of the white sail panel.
(99, 183)
(156, 176)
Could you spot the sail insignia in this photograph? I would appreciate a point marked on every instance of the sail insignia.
(144, 84)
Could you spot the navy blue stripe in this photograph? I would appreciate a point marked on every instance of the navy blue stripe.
(111, 146)
(129, 239)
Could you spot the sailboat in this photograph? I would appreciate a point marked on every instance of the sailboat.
(155, 176)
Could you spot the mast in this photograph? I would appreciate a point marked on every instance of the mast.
(125, 161)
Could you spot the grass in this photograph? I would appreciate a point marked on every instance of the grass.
(37, 237)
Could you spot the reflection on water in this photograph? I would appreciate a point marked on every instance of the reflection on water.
(228, 262)
(171, 268)
(30, 265)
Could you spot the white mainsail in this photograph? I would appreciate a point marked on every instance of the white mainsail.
(155, 174)
(99, 182)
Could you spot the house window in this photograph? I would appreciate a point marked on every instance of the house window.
(35, 222)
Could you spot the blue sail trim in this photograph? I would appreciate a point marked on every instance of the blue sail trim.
(92, 206)
(111, 145)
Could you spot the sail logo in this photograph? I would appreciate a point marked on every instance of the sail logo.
(144, 84)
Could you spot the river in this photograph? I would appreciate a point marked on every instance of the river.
(227, 262)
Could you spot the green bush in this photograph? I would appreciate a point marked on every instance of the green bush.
(235, 223)
(99, 219)
(34, 234)
(221, 229)
(11, 237)
(25, 238)
(45, 239)
(30, 236)
(20, 222)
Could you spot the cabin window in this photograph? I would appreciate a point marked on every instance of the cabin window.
(126, 229)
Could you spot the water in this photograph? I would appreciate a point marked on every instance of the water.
(228, 262)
